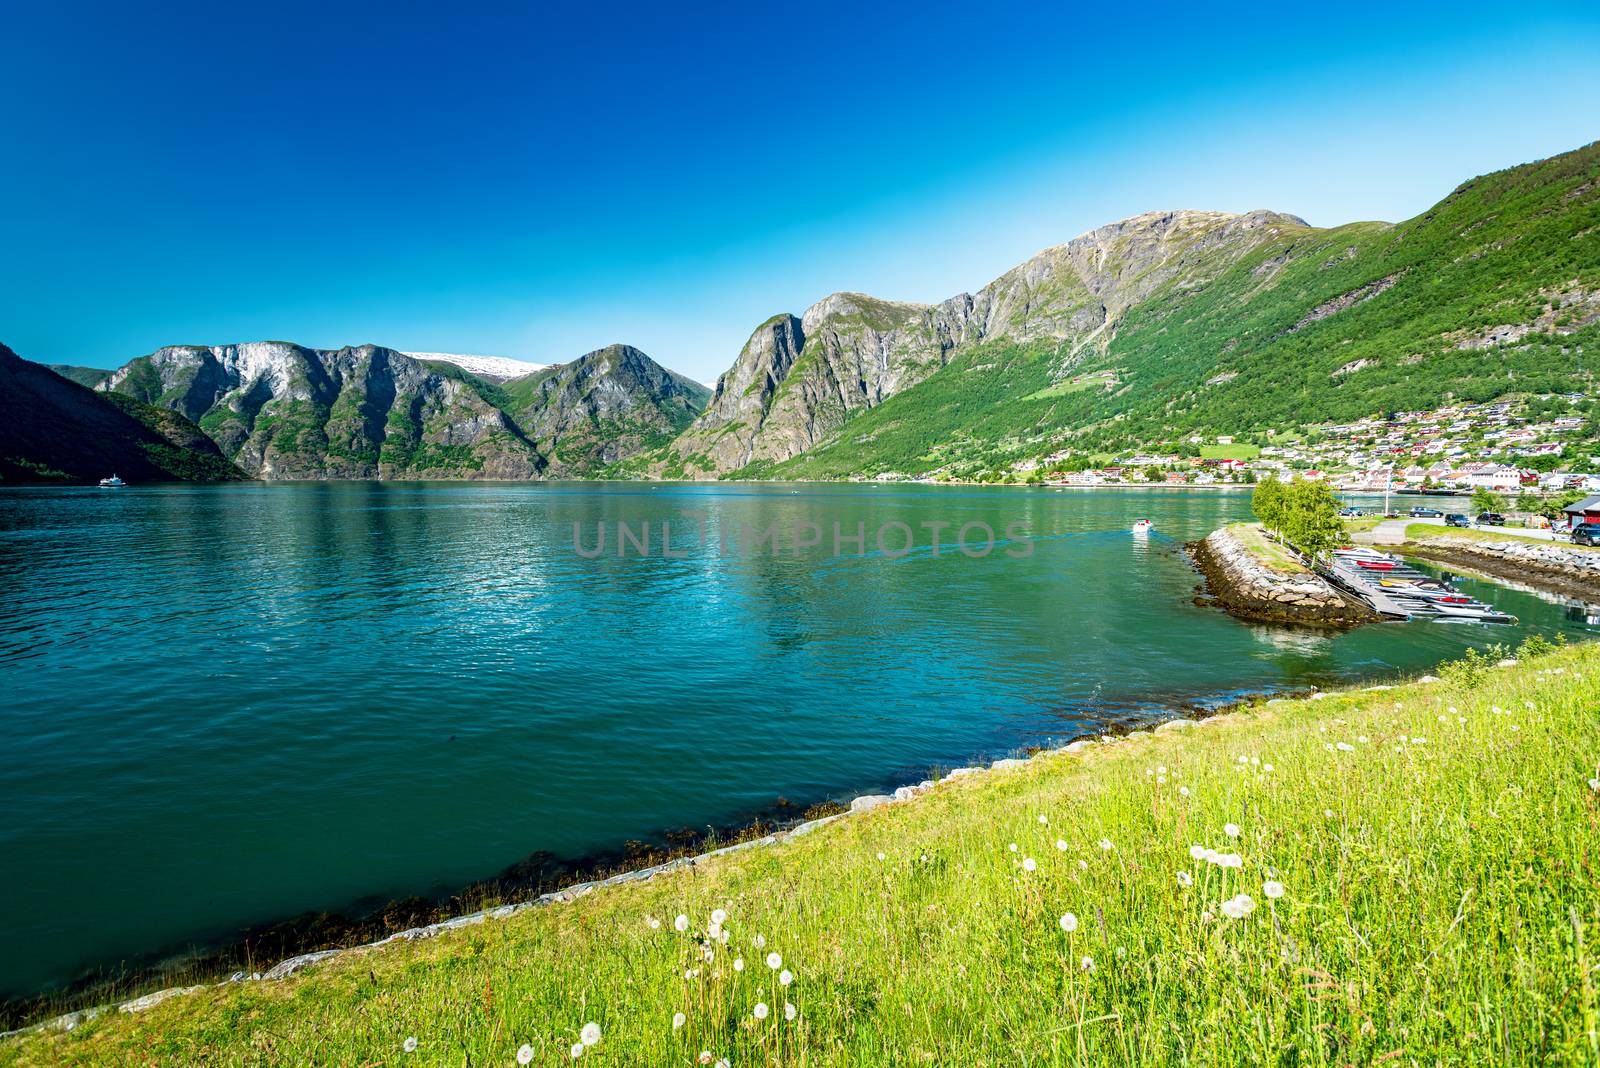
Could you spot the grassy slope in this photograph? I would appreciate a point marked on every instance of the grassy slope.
(1270, 553)
(1441, 906)
(1489, 254)
(1425, 532)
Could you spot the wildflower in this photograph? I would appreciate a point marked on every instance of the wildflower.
(1346, 747)
(590, 1034)
(1243, 759)
(655, 924)
(1083, 865)
(1206, 917)
(1029, 864)
(738, 964)
(1161, 780)
(1069, 922)
(785, 977)
(1231, 830)
(759, 941)
(1043, 818)
(1327, 813)
(1272, 888)
(789, 1011)
(1061, 844)
(678, 1020)
(577, 1050)
(705, 1056)
(410, 1044)
(1266, 767)
(710, 955)
(1105, 844)
(1122, 953)
(1185, 879)
(723, 1063)
(1012, 847)
(1255, 760)
(1161, 770)
(1087, 964)
(774, 961)
(681, 923)
(1183, 791)
(1424, 741)
(880, 856)
(719, 917)
(761, 1010)
(691, 973)
(1594, 784)
(525, 1054)
(1238, 907)
(1362, 739)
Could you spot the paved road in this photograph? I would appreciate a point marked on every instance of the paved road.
(1393, 531)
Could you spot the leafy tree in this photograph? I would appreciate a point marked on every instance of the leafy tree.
(1486, 500)
(1305, 514)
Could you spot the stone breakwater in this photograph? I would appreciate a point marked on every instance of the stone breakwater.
(1244, 585)
(1564, 569)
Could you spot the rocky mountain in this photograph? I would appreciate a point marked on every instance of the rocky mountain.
(488, 368)
(1178, 323)
(284, 411)
(55, 430)
(798, 380)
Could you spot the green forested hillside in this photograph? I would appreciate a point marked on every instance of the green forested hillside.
(1493, 291)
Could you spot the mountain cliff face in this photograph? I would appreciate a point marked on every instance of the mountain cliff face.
(283, 411)
(55, 430)
(601, 409)
(798, 380)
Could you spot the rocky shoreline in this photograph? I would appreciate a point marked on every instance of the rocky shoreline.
(1247, 588)
(1559, 569)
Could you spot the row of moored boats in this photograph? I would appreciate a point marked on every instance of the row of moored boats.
(1396, 589)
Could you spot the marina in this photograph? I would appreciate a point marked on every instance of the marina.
(1397, 590)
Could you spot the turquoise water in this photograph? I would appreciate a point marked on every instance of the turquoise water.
(227, 705)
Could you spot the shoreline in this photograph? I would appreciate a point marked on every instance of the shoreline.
(307, 938)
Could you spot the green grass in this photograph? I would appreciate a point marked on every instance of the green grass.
(1269, 552)
(1423, 532)
(1229, 452)
(1441, 906)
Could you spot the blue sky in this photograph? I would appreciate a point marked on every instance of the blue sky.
(540, 180)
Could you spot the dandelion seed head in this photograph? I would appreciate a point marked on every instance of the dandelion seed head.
(789, 1011)
(1197, 852)
(1083, 865)
(774, 961)
(705, 1056)
(410, 1044)
(759, 941)
(1272, 888)
(1043, 818)
(1069, 922)
(1029, 864)
(655, 924)
(1087, 964)
(1346, 747)
(1183, 791)
(738, 964)
(1061, 844)
(590, 1034)
(719, 916)
(577, 1050)
(1185, 879)
(678, 1020)
(1105, 845)
(681, 923)
(1231, 830)
(785, 977)
(760, 1011)
(880, 856)
(525, 1054)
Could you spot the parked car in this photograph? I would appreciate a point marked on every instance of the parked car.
(1425, 513)
(1456, 519)
(1351, 513)
(1491, 519)
(1586, 534)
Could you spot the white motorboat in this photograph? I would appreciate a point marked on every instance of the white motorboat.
(1396, 589)
(112, 483)
(1143, 526)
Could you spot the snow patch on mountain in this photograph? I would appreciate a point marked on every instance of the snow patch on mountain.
(502, 367)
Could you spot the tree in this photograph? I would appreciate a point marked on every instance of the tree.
(1305, 514)
(1486, 500)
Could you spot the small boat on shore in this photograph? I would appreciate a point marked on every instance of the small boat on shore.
(1395, 589)
(111, 483)
(1143, 526)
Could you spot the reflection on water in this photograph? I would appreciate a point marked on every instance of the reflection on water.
(234, 703)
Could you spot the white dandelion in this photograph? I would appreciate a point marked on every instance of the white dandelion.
(1105, 845)
(880, 856)
(655, 924)
(1043, 818)
(681, 923)
(1238, 907)
(1029, 864)
(785, 977)
(760, 1011)
(789, 1011)
(774, 961)
(1183, 791)
(1231, 830)
(723, 1063)
(1012, 847)
(525, 1054)
(1083, 865)
(1594, 784)
(1346, 747)
(678, 1020)
(738, 964)
(577, 1050)
(705, 1056)
(1185, 879)
(1061, 844)
(410, 1044)
(1327, 813)
(1161, 770)
(1087, 964)
(759, 941)
(590, 1034)
(719, 916)
(1069, 922)
(1272, 888)
(1198, 852)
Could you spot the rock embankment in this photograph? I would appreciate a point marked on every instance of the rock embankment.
(1565, 569)
(1247, 587)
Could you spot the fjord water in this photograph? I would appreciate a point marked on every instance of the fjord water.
(226, 705)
